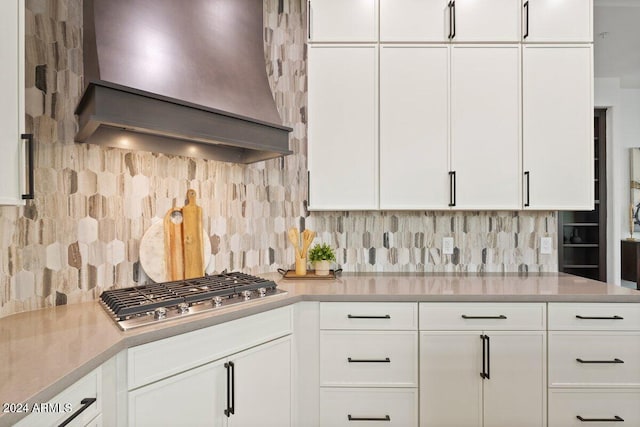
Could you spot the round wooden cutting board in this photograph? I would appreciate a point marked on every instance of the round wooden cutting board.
(152, 255)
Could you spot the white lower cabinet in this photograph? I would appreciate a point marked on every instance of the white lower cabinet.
(368, 376)
(484, 378)
(569, 408)
(594, 364)
(235, 374)
(371, 407)
(78, 405)
(247, 389)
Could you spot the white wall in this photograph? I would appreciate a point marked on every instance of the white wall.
(623, 132)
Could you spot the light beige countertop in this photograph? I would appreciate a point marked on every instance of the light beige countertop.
(44, 351)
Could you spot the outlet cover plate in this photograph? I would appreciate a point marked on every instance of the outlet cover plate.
(546, 246)
(447, 245)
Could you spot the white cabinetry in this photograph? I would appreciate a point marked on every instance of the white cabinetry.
(414, 21)
(343, 127)
(486, 21)
(343, 20)
(368, 364)
(558, 126)
(594, 364)
(557, 21)
(485, 126)
(482, 365)
(12, 83)
(414, 128)
(79, 404)
(213, 377)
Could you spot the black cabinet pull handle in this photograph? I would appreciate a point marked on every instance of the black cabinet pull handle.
(452, 188)
(352, 418)
(526, 21)
(483, 374)
(351, 316)
(453, 8)
(527, 203)
(616, 360)
(501, 316)
(488, 341)
(309, 19)
(86, 402)
(30, 171)
(450, 21)
(600, 420)
(385, 360)
(616, 317)
(231, 388)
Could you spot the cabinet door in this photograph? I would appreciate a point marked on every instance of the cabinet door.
(515, 393)
(342, 129)
(557, 20)
(450, 383)
(414, 21)
(12, 100)
(193, 398)
(485, 126)
(486, 20)
(343, 20)
(262, 386)
(414, 127)
(558, 127)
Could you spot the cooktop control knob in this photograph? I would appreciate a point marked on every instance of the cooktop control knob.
(217, 301)
(262, 291)
(160, 313)
(246, 294)
(183, 308)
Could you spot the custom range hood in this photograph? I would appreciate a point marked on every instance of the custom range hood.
(179, 77)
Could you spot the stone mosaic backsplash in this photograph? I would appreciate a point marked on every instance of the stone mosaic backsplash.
(82, 232)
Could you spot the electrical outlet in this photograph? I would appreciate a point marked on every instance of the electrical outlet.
(546, 246)
(447, 245)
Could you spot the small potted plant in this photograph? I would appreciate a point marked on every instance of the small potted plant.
(321, 256)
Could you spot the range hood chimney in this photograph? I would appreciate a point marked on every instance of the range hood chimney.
(179, 77)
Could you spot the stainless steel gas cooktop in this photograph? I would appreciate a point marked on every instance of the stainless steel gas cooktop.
(153, 303)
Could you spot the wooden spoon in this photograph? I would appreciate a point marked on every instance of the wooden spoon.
(294, 238)
(307, 239)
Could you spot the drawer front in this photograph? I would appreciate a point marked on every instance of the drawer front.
(64, 405)
(160, 359)
(369, 316)
(565, 406)
(369, 358)
(482, 316)
(594, 316)
(605, 358)
(370, 407)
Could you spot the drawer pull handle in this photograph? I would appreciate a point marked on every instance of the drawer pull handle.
(351, 316)
(385, 418)
(86, 402)
(502, 316)
(616, 360)
(385, 360)
(616, 317)
(600, 420)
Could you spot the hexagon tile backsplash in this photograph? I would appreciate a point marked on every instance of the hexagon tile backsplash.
(82, 232)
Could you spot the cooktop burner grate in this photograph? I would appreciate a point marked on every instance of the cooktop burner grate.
(125, 304)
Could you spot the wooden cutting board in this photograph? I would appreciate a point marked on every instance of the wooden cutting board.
(152, 252)
(192, 242)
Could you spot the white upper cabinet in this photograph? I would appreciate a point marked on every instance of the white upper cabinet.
(485, 126)
(11, 101)
(414, 20)
(557, 20)
(343, 127)
(414, 130)
(342, 20)
(485, 20)
(558, 127)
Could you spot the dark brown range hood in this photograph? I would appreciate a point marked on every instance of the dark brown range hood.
(176, 77)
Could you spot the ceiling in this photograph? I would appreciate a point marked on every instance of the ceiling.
(616, 33)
